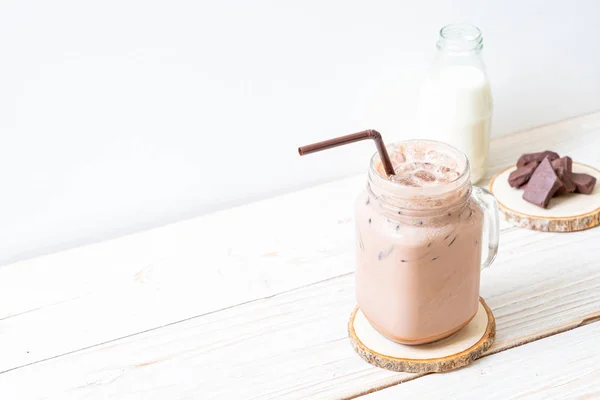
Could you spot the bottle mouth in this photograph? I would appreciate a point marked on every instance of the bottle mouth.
(460, 38)
(426, 199)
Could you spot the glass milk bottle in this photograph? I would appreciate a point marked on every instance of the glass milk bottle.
(455, 104)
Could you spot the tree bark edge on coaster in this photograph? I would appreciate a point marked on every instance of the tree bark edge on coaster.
(449, 362)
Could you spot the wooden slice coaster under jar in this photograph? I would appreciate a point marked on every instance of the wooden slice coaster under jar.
(458, 350)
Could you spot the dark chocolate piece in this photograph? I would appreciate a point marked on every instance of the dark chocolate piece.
(521, 175)
(563, 162)
(542, 185)
(585, 183)
(537, 157)
(563, 167)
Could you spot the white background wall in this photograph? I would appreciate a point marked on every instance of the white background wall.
(121, 115)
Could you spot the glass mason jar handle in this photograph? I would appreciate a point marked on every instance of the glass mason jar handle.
(491, 223)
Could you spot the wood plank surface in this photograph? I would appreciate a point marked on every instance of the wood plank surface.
(295, 346)
(565, 366)
(138, 282)
(75, 305)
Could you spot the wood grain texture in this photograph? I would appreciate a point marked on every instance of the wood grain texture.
(295, 345)
(184, 310)
(138, 282)
(565, 366)
(461, 357)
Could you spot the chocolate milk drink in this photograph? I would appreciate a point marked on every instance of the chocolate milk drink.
(419, 243)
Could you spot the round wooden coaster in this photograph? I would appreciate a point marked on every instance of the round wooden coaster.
(568, 213)
(456, 351)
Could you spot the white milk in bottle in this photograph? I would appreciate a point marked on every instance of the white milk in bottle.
(455, 104)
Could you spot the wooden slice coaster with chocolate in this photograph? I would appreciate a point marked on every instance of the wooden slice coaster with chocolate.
(458, 350)
(568, 212)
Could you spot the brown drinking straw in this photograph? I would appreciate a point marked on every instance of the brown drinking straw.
(354, 137)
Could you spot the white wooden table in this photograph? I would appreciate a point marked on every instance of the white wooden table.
(252, 303)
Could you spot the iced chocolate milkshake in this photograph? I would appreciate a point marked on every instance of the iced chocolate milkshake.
(419, 243)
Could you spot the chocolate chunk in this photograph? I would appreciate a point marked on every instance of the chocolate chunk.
(563, 167)
(585, 183)
(537, 157)
(521, 175)
(542, 185)
(563, 162)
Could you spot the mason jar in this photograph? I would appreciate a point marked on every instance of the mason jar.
(419, 250)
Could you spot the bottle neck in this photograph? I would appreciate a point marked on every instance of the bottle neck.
(460, 40)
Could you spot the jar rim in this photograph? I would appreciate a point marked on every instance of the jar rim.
(396, 191)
